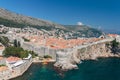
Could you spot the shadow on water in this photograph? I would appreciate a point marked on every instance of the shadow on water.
(100, 69)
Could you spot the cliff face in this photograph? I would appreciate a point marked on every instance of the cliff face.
(70, 59)
(94, 51)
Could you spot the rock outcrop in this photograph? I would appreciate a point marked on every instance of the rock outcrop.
(64, 61)
(69, 59)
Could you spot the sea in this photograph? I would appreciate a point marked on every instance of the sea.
(100, 69)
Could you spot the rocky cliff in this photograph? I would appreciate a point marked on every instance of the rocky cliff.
(69, 60)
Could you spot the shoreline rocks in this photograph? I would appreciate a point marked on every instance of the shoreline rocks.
(67, 60)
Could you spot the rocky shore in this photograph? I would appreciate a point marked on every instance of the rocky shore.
(69, 60)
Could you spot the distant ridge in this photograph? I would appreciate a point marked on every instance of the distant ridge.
(6, 14)
(84, 30)
(11, 19)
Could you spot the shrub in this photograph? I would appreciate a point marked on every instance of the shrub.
(47, 56)
(2, 65)
(15, 51)
(115, 47)
(114, 43)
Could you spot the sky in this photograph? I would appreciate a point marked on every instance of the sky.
(95, 13)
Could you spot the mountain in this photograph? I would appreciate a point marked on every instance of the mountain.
(11, 19)
(24, 20)
(84, 30)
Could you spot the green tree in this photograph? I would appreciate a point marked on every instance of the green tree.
(18, 44)
(115, 46)
(23, 54)
(47, 56)
(15, 43)
(115, 43)
(33, 54)
(15, 51)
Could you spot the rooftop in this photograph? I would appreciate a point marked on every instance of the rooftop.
(13, 59)
(113, 35)
(59, 43)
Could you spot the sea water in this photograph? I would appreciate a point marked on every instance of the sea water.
(100, 69)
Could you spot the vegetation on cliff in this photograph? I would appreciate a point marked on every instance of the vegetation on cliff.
(11, 23)
(115, 46)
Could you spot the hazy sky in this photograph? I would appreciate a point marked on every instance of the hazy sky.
(97, 13)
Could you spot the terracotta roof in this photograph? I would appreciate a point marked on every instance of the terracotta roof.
(112, 35)
(13, 59)
(59, 43)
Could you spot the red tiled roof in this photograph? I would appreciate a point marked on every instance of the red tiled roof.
(13, 59)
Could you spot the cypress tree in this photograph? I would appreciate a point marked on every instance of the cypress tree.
(15, 43)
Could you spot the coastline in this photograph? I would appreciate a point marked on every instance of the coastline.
(39, 71)
(21, 73)
(68, 60)
(33, 61)
(74, 66)
(40, 61)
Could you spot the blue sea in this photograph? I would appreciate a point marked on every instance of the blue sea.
(100, 69)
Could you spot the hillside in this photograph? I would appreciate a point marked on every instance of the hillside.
(11, 19)
(84, 30)
(25, 20)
